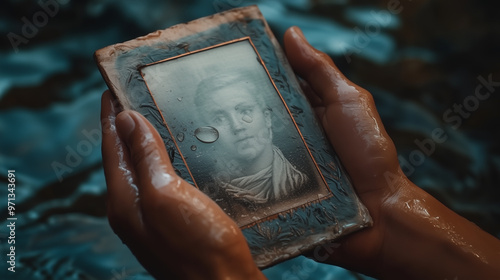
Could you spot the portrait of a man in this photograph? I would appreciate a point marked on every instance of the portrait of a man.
(250, 167)
(234, 132)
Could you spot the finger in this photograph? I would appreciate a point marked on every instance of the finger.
(122, 196)
(315, 101)
(122, 193)
(311, 95)
(315, 67)
(350, 119)
(174, 208)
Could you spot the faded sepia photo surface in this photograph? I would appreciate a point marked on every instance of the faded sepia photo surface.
(234, 131)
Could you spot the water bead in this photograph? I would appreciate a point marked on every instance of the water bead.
(206, 134)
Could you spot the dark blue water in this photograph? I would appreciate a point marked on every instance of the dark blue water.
(422, 60)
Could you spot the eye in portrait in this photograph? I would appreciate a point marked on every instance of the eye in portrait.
(234, 131)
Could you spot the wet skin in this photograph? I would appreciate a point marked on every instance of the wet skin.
(244, 129)
(176, 231)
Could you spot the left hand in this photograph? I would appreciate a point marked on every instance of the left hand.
(172, 228)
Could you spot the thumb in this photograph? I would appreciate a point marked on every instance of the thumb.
(349, 116)
(146, 150)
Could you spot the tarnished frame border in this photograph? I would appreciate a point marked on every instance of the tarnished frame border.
(247, 38)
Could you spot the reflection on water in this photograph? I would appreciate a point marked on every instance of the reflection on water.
(422, 62)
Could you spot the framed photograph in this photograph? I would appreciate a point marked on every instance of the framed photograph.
(236, 125)
(234, 132)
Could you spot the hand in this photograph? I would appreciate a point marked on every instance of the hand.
(164, 220)
(413, 236)
(347, 113)
(173, 229)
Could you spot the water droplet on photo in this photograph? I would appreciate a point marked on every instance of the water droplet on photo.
(179, 98)
(180, 137)
(193, 148)
(247, 119)
(206, 134)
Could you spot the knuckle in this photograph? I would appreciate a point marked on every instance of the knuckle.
(366, 95)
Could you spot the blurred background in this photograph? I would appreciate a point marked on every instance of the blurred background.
(432, 67)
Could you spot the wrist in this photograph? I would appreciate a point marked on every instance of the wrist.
(424, 238)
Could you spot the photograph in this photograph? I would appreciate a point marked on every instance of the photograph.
(234, 131)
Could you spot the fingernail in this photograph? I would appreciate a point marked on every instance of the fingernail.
(125, 124)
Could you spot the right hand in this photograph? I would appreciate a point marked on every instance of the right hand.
(414, 236)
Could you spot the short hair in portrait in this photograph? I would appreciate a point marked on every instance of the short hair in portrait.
(234, 131)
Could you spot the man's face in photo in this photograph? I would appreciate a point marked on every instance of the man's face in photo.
(243, 124)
